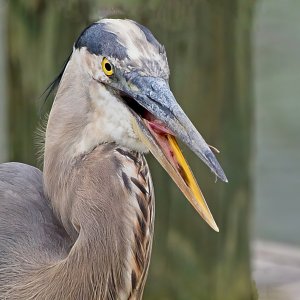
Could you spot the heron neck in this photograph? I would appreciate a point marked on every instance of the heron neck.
(66, 121)
(84, 115)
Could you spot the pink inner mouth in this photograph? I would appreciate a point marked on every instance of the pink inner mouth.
(160, 132)
(158, 127)
(155, 125)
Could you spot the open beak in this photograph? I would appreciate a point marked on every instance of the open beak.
(158, 121)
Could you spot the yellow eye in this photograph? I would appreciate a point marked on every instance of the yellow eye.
(107, 67)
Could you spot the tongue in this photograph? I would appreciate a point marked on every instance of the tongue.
(162, 134)
(159, 127)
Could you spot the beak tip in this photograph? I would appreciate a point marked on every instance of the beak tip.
(211, 221)
(215, 166)
(224, 179)
(215, 227)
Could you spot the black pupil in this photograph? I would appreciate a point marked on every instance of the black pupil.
(107, 66)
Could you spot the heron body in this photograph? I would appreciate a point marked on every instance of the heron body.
(45, 258)
(83, 228)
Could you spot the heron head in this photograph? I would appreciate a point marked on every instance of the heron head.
(128, 67)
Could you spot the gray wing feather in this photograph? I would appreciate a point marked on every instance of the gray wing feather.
(29, 232)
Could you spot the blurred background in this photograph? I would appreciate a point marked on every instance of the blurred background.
(235, 71)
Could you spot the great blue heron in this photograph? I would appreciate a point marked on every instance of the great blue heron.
(83, 228)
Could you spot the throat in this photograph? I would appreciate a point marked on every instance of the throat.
(108, 120)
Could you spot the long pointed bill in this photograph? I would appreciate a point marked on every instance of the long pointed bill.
(166, 150)
(157, 125)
